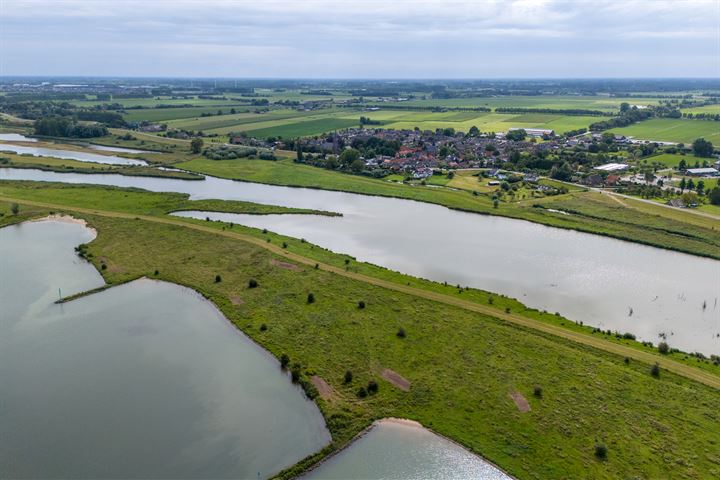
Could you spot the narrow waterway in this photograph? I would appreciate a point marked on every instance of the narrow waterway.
(608, 283)
(67, 154)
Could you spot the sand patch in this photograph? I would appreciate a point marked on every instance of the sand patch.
(326, 391)
(285, 265)
(520, 402)
(56, 217)
(396, 379)
(235, 300)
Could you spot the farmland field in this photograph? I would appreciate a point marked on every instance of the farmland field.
(164, 114)
(672, 130)
(604, 103)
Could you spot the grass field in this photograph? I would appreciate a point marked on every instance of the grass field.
(714, 109)
(672, 130)
(609, 104)
(462, 364)
(165, 114)
(671, 159)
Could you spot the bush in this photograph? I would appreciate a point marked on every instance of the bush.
(348, 376)
(601, 451)
(362, 393)
(15, 208)
(655, 370)
(537, 391)
(311, 298)
(401, 332)
(284, 360)
(263, 327)
(284, 244)
(218, 279)
(372, 387)
(295, 374)
(361, 304)
(252, 283)
(157, 272)
(663, 348)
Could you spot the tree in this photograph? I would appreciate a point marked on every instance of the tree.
(715, 196)
(474, 131)
(15, 208)
(702, 148)
(348, 156)
(517, 135)
(700, 188)
(563, 172)
(690, 184)
(624, 107)
(196, 145)
(298, 151)
(357, 166)
(682, 185)
(663, 348)
(682, 165)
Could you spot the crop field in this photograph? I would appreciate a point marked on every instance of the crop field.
(672, 130)
(714, 109)
(165, 114)
(608, 104)
(222, 121)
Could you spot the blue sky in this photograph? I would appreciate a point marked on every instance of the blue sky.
(361, 38)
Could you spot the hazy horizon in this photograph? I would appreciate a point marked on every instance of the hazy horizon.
(373, 40)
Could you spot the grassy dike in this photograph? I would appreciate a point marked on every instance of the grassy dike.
(590, 212)
(462, 364)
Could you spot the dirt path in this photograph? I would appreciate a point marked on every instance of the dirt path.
(678, 368)
(396, 379)
(520, 401)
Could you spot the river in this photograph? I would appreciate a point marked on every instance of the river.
(604, 282)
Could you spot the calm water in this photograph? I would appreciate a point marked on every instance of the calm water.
(106, 148)
(145, 380)
(16, 137)
(393, 450)
(66, 154)
(585, 277)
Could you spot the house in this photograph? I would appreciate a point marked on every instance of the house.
(612, 180)
(536, 132)
(676, 202)
(613, 167)
(702, 172)
(593, 180)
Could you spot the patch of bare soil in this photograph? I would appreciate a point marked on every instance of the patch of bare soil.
(285, 265)
(326, 391)
(520, 402)
(235, 300)
(396, 379)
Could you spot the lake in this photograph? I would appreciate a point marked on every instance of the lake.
(144, 380)
(394, 449)
(604, 282)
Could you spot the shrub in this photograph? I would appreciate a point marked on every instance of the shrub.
(252, 283)
(284, 360)
(103, 266)
(264, 230)
(15, 208)
(655, 370)
(401, 332)
(362, 393)
(627, 360)
(507, 309)
(263, 327)
(157, 272)
(372, 387)
(491, 300)
(361, 304)
(295, 374)
(218, 279)
(537, 391)
(284, 244)
(348, 376)
(601, 451)
(347, 261)
(311, 298)
(663, 348)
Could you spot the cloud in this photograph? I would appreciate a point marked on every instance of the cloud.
(372, 38)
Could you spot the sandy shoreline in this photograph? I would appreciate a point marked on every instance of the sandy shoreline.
(58, 217)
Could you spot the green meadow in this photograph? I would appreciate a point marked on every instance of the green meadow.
(672, 130)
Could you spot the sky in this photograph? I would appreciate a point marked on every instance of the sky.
(361, 38)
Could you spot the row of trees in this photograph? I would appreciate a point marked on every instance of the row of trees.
(65, 127)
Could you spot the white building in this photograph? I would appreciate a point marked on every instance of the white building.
(613, 167)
